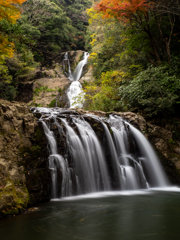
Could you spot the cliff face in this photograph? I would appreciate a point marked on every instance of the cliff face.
(24, 174)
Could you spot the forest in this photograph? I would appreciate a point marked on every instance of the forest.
(134, 49)
(34, 32)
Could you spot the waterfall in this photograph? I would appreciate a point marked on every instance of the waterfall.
(92, 154)
(75, 89)
(78, 70)
(67, 63)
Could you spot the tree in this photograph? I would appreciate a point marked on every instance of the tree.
(9, 11)
(47, 24)
(153, 21)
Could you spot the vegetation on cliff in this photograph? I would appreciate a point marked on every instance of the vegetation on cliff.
(136, 44)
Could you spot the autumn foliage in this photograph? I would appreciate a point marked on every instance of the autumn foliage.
(9, 11)
(122, 9)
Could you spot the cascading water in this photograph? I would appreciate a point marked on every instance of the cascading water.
(90, 154)
(75, 88)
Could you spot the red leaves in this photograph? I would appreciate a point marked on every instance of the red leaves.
(123, 10)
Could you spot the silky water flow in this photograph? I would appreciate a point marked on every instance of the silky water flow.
(98, 154)
(90, 154)
(75, 93)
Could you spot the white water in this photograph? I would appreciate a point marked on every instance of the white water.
(78, 70)
(75, 93)
(151, 161)
(56, 161)
(116, 157)
(118, 193)
(94, 154)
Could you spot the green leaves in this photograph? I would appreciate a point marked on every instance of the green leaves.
(154, 91)
(46, 23)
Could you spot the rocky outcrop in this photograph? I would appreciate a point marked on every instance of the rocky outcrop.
(24, 174)
(88, 77)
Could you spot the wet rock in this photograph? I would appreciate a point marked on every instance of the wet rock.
(33, 209)
(161, 146)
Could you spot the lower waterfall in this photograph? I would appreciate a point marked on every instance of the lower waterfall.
(90, 154)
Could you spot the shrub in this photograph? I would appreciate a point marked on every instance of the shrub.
(7, 91)
(155, 91)
(52, 103)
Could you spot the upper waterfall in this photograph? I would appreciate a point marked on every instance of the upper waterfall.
(75, 89)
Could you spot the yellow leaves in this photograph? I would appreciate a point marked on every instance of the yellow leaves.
(104, 96)
(93, 55)
(93, 42)
(112, 78)
(6, 47)
(9, 11)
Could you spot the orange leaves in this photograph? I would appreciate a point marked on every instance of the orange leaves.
(122, 9)
(10, 10)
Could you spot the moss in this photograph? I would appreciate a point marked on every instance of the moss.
(61, 105)
(52, 103)
(12, 211)
(15, 199)
(39, 135)
(34, 151)
(37, 104)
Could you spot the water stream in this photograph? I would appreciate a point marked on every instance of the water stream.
(101, 154)
(75, 89)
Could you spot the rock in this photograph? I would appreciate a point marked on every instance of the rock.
(177, 150)
(20, 140)
(88, 77)
(175, 159)
(33, 209)
(161, 145)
